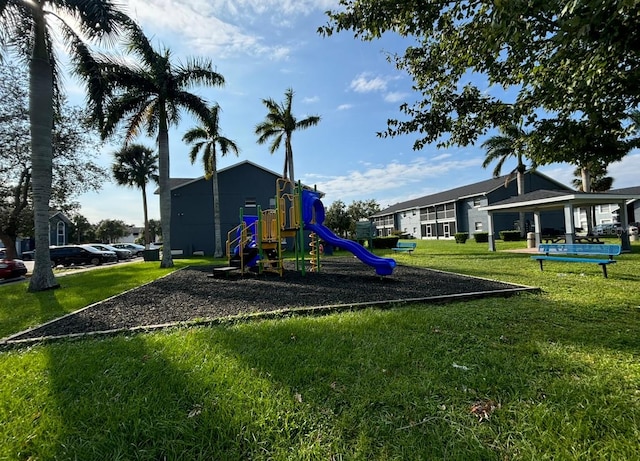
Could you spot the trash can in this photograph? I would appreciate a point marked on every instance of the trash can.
(151, 255)
(531, 240)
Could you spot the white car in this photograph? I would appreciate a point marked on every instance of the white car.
(136, 250)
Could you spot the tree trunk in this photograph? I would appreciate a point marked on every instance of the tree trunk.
(216, 214)
(289, 156)
(9, 246)
(41, 119)
(586, 187)
(520, 183)
(165, 190)
(145, 209)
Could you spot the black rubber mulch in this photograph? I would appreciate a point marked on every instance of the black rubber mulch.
(190, 294)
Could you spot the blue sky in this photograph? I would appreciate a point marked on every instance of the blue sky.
(263, 47)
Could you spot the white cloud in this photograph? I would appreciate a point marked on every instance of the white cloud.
(389, 180)
(345, 106)
(310, 99)
(364, 83)
(202, 31)
(395, 96)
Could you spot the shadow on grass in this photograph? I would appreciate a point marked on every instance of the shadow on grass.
(135, 398)
(401, 384)
(394, 384)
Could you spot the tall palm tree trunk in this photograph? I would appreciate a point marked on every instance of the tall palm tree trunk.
(520, 184)
(289, 157)
(145, 209)
(41, 118)
(216, 214)
(586, 187)
(165, 190)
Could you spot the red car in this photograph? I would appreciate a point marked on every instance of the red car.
(12, 268)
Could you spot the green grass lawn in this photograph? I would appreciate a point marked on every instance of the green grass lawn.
(553, 375)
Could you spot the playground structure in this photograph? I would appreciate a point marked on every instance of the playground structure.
(257, 242)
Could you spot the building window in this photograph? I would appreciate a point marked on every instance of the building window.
(250, 202)
(60, 233)
(477, 201)
(478, 226)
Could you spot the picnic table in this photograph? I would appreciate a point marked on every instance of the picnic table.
(576, 239)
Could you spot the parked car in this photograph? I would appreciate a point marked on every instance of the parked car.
(607, 229)
(136, 250)
(122, 253)
(68, 255)
(12, 268)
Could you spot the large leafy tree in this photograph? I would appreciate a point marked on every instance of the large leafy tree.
(149, 94)
(338, 219)
(111, 230)
(561, 63)
(136, 165)
(279, 125)
(26, 26)
(82, 231)
(206, 139)
(73, 168)
(511, 142)
(361, 210)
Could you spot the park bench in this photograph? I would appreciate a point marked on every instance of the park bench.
(575, 253)
(404, 247)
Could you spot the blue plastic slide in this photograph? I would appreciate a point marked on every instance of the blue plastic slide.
(310, 203)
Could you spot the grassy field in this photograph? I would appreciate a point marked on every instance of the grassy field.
(553, 375)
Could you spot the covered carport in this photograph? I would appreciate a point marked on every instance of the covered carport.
(546, 200)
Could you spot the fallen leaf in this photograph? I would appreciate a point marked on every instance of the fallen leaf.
(483, 409)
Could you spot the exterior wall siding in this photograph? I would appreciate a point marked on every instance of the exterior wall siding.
(192, 226)
(409, 223)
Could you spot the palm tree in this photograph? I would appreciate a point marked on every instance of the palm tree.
(205, 138)
(27, 27)
(512, 142)
(598, 179)
(150, 95)
(280, 122)
(136, 165)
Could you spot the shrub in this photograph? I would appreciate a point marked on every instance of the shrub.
(461, 237)
(382, 243)
(481, 237)
(510, 235)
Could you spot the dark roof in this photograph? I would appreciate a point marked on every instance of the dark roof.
(554, 199)
(540, 194)
(176, 183)
(60, 215)
(451, 195)
(626, 190)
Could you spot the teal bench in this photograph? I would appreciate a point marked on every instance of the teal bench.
(404, 247)
(576, 253)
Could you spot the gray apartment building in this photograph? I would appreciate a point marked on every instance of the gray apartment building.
(244, 185)
(443, 214)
